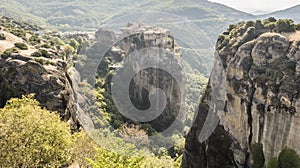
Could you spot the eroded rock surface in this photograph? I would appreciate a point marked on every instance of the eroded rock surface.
(47, 78)
(262, 102)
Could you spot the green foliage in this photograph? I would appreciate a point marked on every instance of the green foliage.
(281, 25)
(285, 25)
(44, 61)
(34, 40)
(83, 147)
(273, 163)
(297, 26)
(69, 51)
(2, 36)
(46, 45)
(18, 32)
(32, 136)
(269, 20)
(288, 158)
(105, 158)
(74, 43)
(41, 53)
(21, 46)
(257, 155)
(9, 51)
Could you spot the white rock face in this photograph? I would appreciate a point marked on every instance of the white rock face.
(262, 101)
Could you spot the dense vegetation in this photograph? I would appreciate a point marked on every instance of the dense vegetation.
(32, 136)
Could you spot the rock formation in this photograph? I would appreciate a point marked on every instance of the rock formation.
(262, 99)
(151, 55)
(26, 71)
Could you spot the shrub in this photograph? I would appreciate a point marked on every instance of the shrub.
(21, 46)
(297, 27)
(83, 147)
(34, 40)
(284, 25)
(18, 32)
(32, 136)
(105, 158)
(2, 36)
(46, 45)
(44, 53)
(271, 26)
(9, 51)
(41, 53)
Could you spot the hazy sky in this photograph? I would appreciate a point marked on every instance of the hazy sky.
(253, 5)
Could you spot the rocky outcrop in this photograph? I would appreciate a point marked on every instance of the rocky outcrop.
(47, 78)
(261, 102)
(144, 59)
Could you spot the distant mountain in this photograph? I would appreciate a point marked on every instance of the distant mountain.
(290, 13)
(70, 15)
(260, 12)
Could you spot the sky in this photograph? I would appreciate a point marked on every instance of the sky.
(259, 5)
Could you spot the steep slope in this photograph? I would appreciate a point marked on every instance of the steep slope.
(261, 102)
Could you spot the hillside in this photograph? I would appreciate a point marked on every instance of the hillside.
(83, 14)
(290, 13)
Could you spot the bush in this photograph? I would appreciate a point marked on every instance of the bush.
(32, 136)
(46, 45)
(297, 27)
(2, 36)
(284, 25)
(34, 40)
(21, 46)
(19, 32)
(9, 51)
(41, 53)
(105, 158)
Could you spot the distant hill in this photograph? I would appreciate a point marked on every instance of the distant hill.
(290, 13)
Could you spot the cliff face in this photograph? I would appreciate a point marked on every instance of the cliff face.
(262, 99)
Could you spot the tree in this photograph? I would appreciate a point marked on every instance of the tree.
(32, 136)
(288, 158)
(257, 155)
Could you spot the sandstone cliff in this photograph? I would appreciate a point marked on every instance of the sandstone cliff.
(261, 102)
